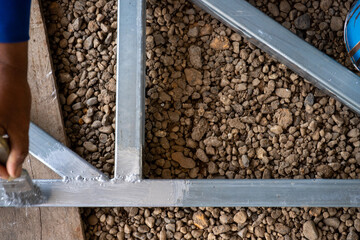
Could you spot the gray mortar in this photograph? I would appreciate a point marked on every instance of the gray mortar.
(24, 199)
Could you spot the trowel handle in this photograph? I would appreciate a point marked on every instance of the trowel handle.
(4, 151)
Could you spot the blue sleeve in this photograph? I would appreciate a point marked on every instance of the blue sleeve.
(14, 20)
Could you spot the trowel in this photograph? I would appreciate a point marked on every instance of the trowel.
(20, 191)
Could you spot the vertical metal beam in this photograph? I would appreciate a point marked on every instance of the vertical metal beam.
(130, 115)
(301, 57)
(59, 158)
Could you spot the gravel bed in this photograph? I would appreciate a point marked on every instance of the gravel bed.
(217, 107)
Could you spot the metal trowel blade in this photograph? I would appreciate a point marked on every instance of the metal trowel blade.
(21, 191)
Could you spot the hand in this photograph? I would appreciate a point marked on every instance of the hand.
(15, 103)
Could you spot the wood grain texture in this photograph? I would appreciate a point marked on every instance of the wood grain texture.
(41, 223)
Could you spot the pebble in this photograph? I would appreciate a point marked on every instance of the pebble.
(354, 133)
(199, 130)
(90, 146)
(283, 92)
(220, 43)
(217, 230)
(325, 4)
(200, 220)
(193, 32)
(281, 228)
(240, 217)
(285, 6)
(182, 160)
(195, 56)
(276, 129)
(202, 155)
(336, 23)
(193, 76)
(92, 101)
(352, 236)
(71, 98)
(283, 117)
(309, 100)
(332, 222)
(310, 231)
(303, 22)
(273, 9)
(92, 220)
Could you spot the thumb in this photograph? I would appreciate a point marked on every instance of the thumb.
(19, 148)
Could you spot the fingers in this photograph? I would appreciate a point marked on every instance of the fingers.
(19, 142)
(3, 173)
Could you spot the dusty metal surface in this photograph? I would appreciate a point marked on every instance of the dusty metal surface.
(58, 157)
(150, 193)
(130, 119)
(310, 63)
(81, 188)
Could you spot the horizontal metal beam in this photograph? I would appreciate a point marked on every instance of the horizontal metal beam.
(298, 55)
(187, 193)
(130, 90)
(58, 157)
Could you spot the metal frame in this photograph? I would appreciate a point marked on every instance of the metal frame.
(83, 185)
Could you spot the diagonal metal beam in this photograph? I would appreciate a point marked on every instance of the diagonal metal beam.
(298, 55)
(58, 157)
(187, 193)
(130, 114)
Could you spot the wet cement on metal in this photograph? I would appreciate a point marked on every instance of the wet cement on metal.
(23, 199)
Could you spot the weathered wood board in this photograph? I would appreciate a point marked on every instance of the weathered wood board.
(41, 223)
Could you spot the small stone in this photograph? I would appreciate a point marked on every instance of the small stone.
(283, 92)
(92, 26)
(162, 235)
(143, 229)
(336, 23)
(332, 222)
(92, 101)
(354, 133)
(285, 6)
(110, 220)
(281, 228)
(303, 22)
(200, 129)
(325, 4)
(182, 160)
(193, 76)
(193, 32)
(310, 231)
(88, 43)
(77, 106)
(71, 98)
(309, 100)
(92, 220)
(206, 30)
(221, 229)
(324, 171)
(106, 129)
(273, 9)
(276, 129)
(283, 117)
(202, 155)
(220, 43)
(200, 220)
(90, 146)
(245, 161)
(150, 222)
(352, 236)
(240, 217)
(195, 56)
(213, 142)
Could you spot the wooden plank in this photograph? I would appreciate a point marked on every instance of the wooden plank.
(42, 223)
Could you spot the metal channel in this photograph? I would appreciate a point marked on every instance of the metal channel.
(58, 157)
(187, 193)
(130, 114)
(301, 57)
